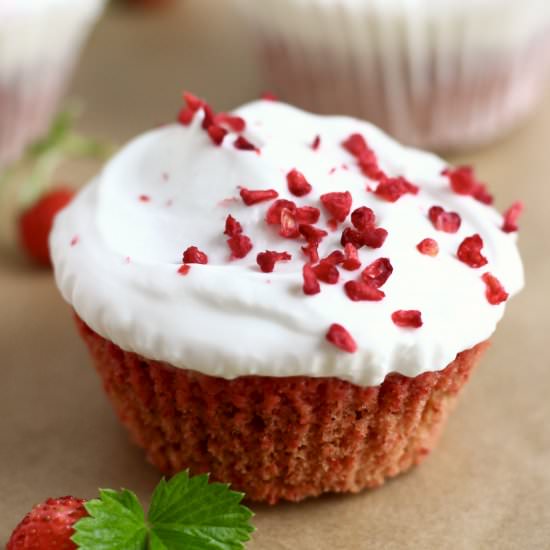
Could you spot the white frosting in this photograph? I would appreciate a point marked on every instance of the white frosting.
(229, 319)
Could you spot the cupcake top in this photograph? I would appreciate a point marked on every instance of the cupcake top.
(276, 242)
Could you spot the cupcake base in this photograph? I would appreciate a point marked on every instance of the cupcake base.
(278, 438)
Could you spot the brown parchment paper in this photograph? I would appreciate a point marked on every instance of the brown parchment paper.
(487, 486)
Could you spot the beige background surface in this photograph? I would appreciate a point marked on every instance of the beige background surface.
(488, 484)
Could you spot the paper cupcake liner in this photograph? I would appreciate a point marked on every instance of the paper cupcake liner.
(278, 438)
(38, 52)
(431, 77)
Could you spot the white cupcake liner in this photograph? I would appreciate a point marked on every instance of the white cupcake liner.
(38, 50)
(440, 75)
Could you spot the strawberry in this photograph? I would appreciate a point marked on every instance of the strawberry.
(36, 223)
(48, 525)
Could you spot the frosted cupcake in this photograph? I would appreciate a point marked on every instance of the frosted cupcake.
(39, 43)
(288, 301)
(439, 74)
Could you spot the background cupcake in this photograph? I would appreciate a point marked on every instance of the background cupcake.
(40, 41)
(435, 74)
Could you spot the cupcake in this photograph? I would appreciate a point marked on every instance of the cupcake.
(288, 301)
(438, 74)
(39, 43)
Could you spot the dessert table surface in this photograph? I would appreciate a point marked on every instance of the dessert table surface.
(487, 485)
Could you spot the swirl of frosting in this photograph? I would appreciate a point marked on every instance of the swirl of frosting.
(117, 251)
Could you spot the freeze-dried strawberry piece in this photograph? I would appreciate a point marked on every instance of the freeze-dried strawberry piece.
(244, 145)
(233, 122)
(185, 116)
(444, 221)
(361, 291)
(194, 256)
(297, 183)
(251, 197)
(273, 215)
(428, 247)
(407, 318)
(494, 291)
(267, 260)
(469, 251)
(326, 272)
(377, 272)
(374, 237)
(341, 338)
(232, 227)
(311, 251)
(289, 226)
(269, 96)
(240, 245)
(392, 189)
(362, 217)
(464, 182)
(316, 143)
(144, 198)
(352, 236)
(355, 144)
(337, 204)
(209, 114)
(352, 261)
(311, 233)
(217, 134)
(336, 257)
(194, 103)
(184, 269)
(311, 284)
(511, 216)
(307, 214)
(482, 194)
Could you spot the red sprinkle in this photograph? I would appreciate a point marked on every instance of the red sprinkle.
(407, 318)
(194, 256)
(374, 237)
(341, 338)
(289, 226)
(469, 251)
(244, 145)
(297, 183)
(464, 182)
(312, 234)
(316, 142)
(144, 198)
(232, 227)
(428, 247)
(311, 251)
(494, 290)
(352, 236)
(362, 217)
(267, 260)
(337, 204)
(377, 273)
(251, 197)
(392, 189)
(184, 269)
(185, 116)
(351, 261)
(326, 272)
(240, 246)
(233, 122)
(217, 134)
(444, 221)
(311, 284)
(307, 214)
(273, 215)
(511, 217)
(194, 103)
(361, 291)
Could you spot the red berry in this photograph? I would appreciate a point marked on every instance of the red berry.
(511, 217)
(337, 204)
(359, 291)
(184, 269)
(494, 291)
(194, 256)
(392, 189)
(307, 214)
(378, 272)
(341, 338)
(374, 237)
(232, 227)
(407, 318)
(194, 103)
(428, 247)
(352, 236)
(336, 257)
(369, 165)
(289, 226)
(233, 122)
(267, 260)
(35, 223)
(209, 115)
(217, 134)
(444, 221)
(273, 216)
(464, 182)
(312, 253)
(311, 233)
(362, 217)
(311, 284)
(185, 116)
(297, 183)
(240, 246)
(315, 144)
(351, 261)
(355, 144)
(48, 525)
(469, 251)
(251, 197)
(326, 272)
(244, 145)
